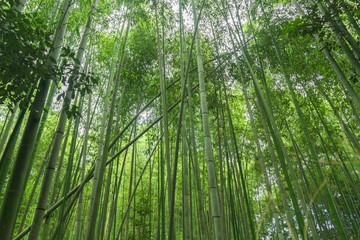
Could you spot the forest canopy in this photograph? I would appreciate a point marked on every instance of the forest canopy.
(163, 119)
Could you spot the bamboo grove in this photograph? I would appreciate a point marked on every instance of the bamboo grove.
(166, 119)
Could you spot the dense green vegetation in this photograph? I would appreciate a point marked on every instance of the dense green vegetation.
(179, 119)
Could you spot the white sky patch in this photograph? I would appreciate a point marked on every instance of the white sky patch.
(145, 116)
(111, 23)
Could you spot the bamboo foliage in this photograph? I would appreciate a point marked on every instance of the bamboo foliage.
(187, 120)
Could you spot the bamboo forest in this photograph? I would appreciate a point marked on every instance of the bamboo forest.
(180, 119)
